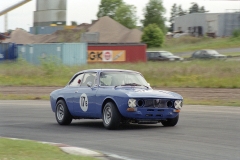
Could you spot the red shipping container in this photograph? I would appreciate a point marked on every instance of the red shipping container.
(99, 52)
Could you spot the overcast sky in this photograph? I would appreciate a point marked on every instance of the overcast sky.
(85, 10)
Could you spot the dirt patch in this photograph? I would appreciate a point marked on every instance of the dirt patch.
(188, 93)
(36, 91)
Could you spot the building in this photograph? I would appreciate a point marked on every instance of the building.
(49, 16)
(212, 24)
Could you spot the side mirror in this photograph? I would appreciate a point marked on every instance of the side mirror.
(89, 84)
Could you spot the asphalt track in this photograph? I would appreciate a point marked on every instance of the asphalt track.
(203, 133)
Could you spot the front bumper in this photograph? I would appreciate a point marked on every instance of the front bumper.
(155, 114)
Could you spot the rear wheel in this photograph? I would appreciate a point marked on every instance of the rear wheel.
(62, 113)
(170, 122)
(111, 116)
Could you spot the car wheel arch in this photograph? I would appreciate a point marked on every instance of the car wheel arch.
(58, 99)
(106, 101)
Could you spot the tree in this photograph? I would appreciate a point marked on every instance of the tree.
(126, 15)
(194, 8)
(153, 36)
(202, 10)
(153, 13)
(174, 13)
(108, 8)
(181, 12)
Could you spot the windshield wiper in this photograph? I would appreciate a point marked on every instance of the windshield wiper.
(134, 84)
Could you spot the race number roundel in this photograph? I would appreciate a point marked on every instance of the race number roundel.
(107, 55)
(84, 102)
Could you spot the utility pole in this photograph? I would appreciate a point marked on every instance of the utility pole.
(6, 22)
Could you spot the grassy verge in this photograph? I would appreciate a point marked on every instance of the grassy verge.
(204, 74)
(29, 150)
(184, 44)
(195, 74)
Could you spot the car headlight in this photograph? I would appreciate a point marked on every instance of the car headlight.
(132, 103)
(178, 104)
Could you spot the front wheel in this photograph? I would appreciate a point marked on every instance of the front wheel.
(62, 113)
(111, 116)
(170, 122)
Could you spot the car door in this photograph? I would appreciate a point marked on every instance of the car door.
(161, 56)
(85, 96)
(157, 56)
(70, 92)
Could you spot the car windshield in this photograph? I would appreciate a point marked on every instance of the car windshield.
(166, 54)
(212, 52)
(121, 78)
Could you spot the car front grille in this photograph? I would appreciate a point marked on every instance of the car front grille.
(156, 103)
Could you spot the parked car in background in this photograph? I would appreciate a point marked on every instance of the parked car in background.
(208, 54)
(162, 56)
(115, 96)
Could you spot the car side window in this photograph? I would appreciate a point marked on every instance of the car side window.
(76, 81)
(105, 79)
(156, 54)
(204, 53)
(152, 55)
(89, 77)
(197, 53)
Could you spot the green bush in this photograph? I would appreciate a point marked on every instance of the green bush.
(153, 36)
(236, 33)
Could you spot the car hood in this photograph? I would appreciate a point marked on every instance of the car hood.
(135, 92)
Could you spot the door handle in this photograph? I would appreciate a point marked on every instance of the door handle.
(76, 91)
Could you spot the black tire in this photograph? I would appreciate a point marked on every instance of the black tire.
(62, 113)
(170, 122)
(111, 116)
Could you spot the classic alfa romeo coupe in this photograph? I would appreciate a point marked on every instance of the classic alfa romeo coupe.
(115, 96)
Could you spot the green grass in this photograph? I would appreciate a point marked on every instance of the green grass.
(29, 150)
(196, 74)
(184, 44)
(205, 74)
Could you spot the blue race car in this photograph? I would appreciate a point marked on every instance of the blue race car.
(115, 96)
